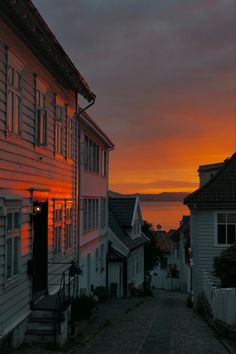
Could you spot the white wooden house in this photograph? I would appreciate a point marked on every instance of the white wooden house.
(93, 204)
(39, 86)
(213, 218)
(126, 246)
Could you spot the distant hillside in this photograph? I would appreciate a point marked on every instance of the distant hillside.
(161, 197)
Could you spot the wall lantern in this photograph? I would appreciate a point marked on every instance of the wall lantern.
(37, 208)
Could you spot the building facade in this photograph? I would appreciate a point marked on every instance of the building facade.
(126, 246)
(93, 204)
(38, 163)
(212, 219)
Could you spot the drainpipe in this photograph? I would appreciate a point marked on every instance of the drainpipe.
(78, 182)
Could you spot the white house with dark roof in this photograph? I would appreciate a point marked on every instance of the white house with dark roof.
(212, 219)
(126, 246)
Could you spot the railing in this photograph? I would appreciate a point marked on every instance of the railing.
(221, 300)
(65, 294)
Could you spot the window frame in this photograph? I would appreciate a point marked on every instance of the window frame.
(41, 91)
(17, 65)
(91, 155)
(68, 227)
(90, 214)
(224, 212)
(58, 224)
(14, 233)
(103, 213)
(59, 131)
(69, 137)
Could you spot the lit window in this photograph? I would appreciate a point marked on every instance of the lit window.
(226, 229)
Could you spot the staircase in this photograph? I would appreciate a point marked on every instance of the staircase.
(52, 313)
(46, 321)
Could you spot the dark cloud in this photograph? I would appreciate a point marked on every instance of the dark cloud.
(160, 69)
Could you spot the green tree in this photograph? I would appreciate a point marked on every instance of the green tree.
(151, 253)
(225, 267)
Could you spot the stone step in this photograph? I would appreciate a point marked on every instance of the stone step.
(41, 326)
(39, 336)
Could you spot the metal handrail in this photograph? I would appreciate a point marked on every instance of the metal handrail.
(65, 294)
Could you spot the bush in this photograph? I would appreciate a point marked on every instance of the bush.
(82, 307)
(225, 267)
(101, 293)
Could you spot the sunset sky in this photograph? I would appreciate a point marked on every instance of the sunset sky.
(164, 75)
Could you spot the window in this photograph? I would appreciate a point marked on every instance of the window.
(13, 229)
(104, 163)
(102, 258)
(14, 98)
(90, 214)
(58, 230)
(41, 131)
(226, 229)
(59, 112)
(91, 155)
(68, 229)
(97, 260)
(103, 212)
(69, 138)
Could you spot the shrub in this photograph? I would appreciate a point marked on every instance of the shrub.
(101, 293)
(225, 267)
(82, 307)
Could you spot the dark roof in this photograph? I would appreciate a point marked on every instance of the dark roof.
(122, 235)
(123, 209)
(162, 241)
(27, 22)
(183, 229)
(220, 189)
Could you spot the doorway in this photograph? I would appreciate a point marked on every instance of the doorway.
(40, 248)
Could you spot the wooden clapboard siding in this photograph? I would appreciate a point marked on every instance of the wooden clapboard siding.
(24, 165)
(203, 245)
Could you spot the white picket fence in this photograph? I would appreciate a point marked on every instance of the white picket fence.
(221, 300)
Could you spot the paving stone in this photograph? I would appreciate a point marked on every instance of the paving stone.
(155, 325)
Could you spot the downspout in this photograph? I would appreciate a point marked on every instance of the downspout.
(78, 182)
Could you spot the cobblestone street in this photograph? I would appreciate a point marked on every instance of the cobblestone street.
(161, 325)
(155, 325)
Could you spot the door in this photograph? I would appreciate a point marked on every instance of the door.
(40, 246)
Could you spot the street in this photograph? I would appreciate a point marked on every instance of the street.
(161, 325)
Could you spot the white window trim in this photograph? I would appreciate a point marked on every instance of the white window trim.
(15, 277)
(60, 223)
(216, 244)
(17, 64)
(68, 221)
(42, 88)
(59, 102)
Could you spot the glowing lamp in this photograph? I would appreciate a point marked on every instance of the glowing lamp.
(37, 208)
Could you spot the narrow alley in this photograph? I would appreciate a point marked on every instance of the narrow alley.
(161, 324)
